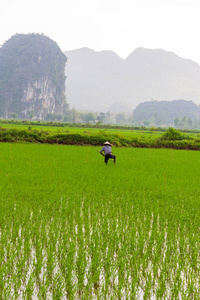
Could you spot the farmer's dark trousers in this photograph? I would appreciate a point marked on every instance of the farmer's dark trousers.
(107, 156)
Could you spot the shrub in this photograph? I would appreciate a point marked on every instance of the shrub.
(172, 134)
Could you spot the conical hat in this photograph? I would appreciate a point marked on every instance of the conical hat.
(107, 143)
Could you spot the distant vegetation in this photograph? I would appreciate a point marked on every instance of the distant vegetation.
(180, 114)
(170, 138)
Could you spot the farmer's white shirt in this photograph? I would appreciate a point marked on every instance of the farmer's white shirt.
(106, 149)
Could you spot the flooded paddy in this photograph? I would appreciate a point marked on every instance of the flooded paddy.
(74, 228)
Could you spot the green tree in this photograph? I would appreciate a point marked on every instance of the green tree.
(190, 122)
(13, 115)
(107, 117)
(101, 117)
(58, 117)
(183, 122)
(156, 119)
(31, 114)
(176, 122)
(146, 123)
(88, 117)
(171, 135)
(120, 118)
(50, 117)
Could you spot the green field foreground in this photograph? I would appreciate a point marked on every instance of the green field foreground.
(72, 227)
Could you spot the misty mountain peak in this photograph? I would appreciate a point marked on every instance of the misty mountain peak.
(87, 54)
(97, 80)
(160, 58)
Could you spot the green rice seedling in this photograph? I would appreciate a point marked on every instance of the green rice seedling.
(72, 227)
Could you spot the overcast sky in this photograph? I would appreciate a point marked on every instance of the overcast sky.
(117, 25)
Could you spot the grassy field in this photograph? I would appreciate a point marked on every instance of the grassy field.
(122, 132)
(72, 227)
(56, 129)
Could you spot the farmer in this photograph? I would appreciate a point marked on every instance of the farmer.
(107, 152)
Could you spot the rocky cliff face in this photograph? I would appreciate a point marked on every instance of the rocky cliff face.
(39, 97)
(32, 79)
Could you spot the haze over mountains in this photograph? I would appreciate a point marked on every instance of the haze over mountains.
(33, 84)
(102, 81)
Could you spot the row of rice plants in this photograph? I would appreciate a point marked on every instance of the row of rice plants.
(72, 227)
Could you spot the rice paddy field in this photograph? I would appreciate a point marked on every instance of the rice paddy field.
(72, 227)
(92, 130)
(122, 132)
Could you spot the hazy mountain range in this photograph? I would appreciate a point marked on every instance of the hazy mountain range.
(33, 83)
(102, 81)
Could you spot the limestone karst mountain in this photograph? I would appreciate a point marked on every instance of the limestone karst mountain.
(33, 82)
(103, 81)
(32, 79)
(165, 112)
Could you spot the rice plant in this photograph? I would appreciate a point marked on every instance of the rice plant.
(72, 227)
